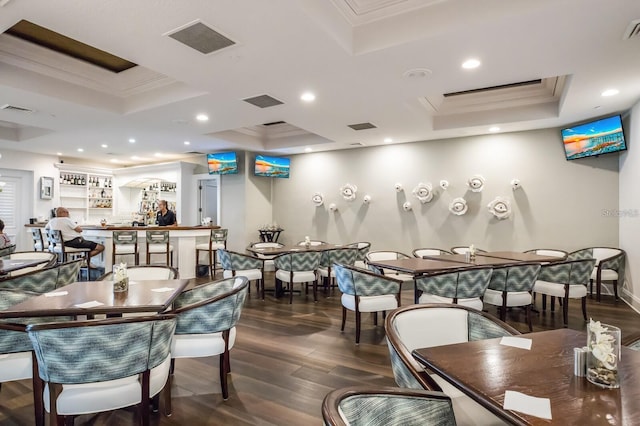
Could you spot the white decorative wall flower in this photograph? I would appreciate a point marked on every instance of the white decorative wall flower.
(349, 191)
(423, 192)
(398, 187)
(333, 207)
(444, 184)
(366, 199)
(407, 206)
(476, 183)
(515, 184)
(458, 206)
(318, 199)
(500, 207)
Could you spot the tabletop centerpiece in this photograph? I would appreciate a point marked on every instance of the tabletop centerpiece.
(120, 278)
(307, 241)
(603, 343)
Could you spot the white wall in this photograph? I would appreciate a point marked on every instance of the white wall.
(560, 204)
(629, 210)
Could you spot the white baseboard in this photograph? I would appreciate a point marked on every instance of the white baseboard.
(631, 300)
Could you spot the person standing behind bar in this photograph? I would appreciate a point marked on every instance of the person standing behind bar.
(165, 217)
(72, 233)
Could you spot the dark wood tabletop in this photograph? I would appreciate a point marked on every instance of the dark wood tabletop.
(521, 257)
(272, 251)
(8, 265)
(485, 369)
(142, 296)
(418, 266)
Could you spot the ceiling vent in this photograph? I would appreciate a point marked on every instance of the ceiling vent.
(263, 101)
(356, 144)
(194, 153)
(362, 126)
(7, 107)
(633, 30)
(200, 37)
(274, 123)
(493, 88)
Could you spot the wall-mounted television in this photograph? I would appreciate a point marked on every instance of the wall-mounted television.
(272, 166)
(222, 163)
(596, 137)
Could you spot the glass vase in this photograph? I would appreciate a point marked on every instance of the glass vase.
(120, 278)
(603, 343)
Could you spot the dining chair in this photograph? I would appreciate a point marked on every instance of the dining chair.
(344, 256)
(217, 240)
(422, 252)
(311, 243)
(297, 267)
(632, 341)
(511, 286)
(461, 287)
(7, 250)
(65, 254)
(382, 255)
(464, 250)
(565, 280)
(68, 272)
(207, 318)
(50, 259)
(561, 254)
(386, 406)
(364, 291)
(125, 243)
(158, 243)
(268, 259)
(242, 265)
(39, 243)
(38, 281)
(363, 248)
(422, 326)
(146, 273)
(610, 266)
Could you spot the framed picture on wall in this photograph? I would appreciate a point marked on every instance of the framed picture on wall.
(46, 188)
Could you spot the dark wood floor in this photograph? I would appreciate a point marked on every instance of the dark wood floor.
(286, 358)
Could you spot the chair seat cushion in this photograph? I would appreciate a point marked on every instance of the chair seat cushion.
(474, 302)
(251, 274)
(205, 246)
(158, 376)
(514, 298)
(298, 277)
(96, 397)
(324, 272)
(554, 289)
(200, 345)
(15, 366)
(383, 302)
(605, 275)
(269, 266)
(158, 248)
(124, 249)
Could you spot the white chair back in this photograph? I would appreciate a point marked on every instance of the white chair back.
(600, 253)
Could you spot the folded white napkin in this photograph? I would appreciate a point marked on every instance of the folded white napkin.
(516, 401)
(516, 342)
(56, 293)
(163, 289)
(91, 304)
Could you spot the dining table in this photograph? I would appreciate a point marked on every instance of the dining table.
(486, 369)
(274, 251)
(8, 265)
(98, 297)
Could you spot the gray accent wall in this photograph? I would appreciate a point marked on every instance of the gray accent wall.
(562, 204)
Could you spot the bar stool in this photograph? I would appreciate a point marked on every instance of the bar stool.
(158, 243)
(217, 240)
(38, 240)
(65, 254)
(125, 243)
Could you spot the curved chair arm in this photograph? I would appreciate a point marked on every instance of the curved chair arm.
(234, 261)
(386, 406)
(615, 262)
(360, 282)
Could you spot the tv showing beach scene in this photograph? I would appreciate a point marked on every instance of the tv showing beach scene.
(277, 167)
(594, 138)
(222, 163)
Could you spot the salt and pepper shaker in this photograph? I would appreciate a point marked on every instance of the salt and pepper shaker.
(580, 361)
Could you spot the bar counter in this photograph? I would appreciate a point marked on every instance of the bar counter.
(183, 240)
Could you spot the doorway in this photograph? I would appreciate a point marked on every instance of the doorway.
(208, 199)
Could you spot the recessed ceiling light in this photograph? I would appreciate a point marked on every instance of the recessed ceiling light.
(308, 97)
(132, 140)
(187, 143)
(104, 145)
(58, 153)
(470, 64)
(417, 73)
(114, 160)
(158, 154)
(80, 150)
(388, 140)
(494, 129)
(308, 149)
(610, 92)
(202, 117)
(135, 157)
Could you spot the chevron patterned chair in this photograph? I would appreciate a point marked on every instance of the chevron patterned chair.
(297, 267)
(39, 281)
(207, 318)
(268, 259)
(567, 279)
(68, 272)
(364, 291)
(147, 273)
(610, 266)
(242, 265)
(113, 361)
(386, 406)
(39, 243)
(7, 250)
(632, 342)
(463, 287)
(363, 248)
(125, 243)
(159, 242)
(421, 326)
(511, 286)
(343, 256)
(381, 255)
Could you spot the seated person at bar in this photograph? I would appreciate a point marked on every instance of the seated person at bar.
(72, 233)
(165, 217)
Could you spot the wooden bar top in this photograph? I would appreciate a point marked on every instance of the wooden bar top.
(130, 228)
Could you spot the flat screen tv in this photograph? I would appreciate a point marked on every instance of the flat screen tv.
(272, 166)
(222, 163)
(597, 137)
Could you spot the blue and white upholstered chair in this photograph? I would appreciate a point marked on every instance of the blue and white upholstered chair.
(343, 256)
(465, 287)
(421, 252)
(242, 265)
(297, 267)
(363, 248)
(382, 255)
(386, 406)
(207, 318)
(50, 259)
(610, 266)
(146, 273)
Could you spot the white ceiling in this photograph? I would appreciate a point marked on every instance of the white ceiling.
(352, 54)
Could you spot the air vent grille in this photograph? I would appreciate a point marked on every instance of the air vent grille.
(195, 153)
(7, 107)
(202, 38)
(263, 101)
(493, 88)
(356, 144)
(362, 126)
(274, 123)
(633, 30)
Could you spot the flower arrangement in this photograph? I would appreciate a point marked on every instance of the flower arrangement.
(120, 278)
(307, 241)
(603, 342)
